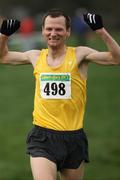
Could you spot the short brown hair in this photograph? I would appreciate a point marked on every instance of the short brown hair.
(57, 13)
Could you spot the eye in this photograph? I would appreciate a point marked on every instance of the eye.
(49, 29)
(59, 29)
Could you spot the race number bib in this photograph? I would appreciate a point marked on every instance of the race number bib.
(55, 85)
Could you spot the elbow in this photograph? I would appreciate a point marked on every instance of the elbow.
(3, 60)
(117, 59)
(116, 62)
(114, 58)
(3, 57)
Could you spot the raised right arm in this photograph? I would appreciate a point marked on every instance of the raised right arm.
(11, 57)
(8, 27)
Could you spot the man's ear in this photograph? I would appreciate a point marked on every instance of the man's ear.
(68, 33)
(42, 30)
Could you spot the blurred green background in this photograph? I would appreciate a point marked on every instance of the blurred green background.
(102, 117)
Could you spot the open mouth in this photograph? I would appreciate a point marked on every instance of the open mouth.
(53, 39)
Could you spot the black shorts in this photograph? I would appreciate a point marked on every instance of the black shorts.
(66, 148)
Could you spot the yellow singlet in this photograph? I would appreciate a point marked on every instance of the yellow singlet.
(60, 94)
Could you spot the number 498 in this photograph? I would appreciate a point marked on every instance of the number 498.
(54, 89)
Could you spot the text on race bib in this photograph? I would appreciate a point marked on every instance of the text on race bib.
(55, 85)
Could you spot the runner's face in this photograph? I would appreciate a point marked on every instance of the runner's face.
(54, 31)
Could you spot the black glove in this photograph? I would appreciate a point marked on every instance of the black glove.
(9, 26)
(93, 20)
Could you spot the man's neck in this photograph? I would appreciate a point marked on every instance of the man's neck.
(56, 52)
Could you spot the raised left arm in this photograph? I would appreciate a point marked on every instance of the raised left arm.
(113, 54)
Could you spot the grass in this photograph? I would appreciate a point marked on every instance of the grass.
(102, 120)
(102, 123)
(16, 103)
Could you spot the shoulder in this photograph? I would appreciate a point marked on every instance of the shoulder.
(32, 52)
(82, 52)
(33, 56)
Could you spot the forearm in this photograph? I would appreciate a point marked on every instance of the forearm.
(111, 44)
(10, 57)
(113, 54)
(3, 47)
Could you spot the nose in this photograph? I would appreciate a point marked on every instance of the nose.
(53, 32)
